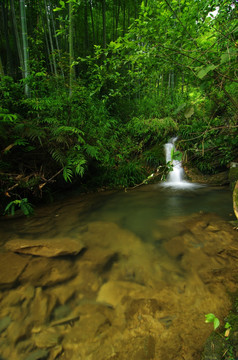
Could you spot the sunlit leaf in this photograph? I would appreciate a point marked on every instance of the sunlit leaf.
(204, 71)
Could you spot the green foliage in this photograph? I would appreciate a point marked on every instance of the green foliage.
(22, 204)
(211, 318)
(176, 155)
(167, 71)
(210, 144)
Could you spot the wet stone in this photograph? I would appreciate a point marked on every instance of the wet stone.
(18, 331)
(4, 323)
(11, 267)
(113, 292)
(46, 247)
(22, 294)
(38, 355)
(55, 352)
(48, 272)
(47, 338)
(61, 312)
(41, 307)
(61, 293)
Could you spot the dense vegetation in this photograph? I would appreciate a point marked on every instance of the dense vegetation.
(91, 89)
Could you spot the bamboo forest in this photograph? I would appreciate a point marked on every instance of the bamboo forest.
(118, 179)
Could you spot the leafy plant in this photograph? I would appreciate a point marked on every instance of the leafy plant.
(22, 204)
(176, 155)
(211, 318)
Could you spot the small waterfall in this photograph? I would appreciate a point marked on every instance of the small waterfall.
(175, 178)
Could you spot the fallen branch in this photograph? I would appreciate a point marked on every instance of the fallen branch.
(145, 182)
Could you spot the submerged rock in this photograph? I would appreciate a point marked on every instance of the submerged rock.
(11, 267)
(48, 272)
(113, 292)
(48, 338)
(4, 323)
(38, 355)
(45, 247)
(41, 308)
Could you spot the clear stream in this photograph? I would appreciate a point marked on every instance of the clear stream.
(154, 262)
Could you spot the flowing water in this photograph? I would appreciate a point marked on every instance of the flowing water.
(176, 177)
(155, 261)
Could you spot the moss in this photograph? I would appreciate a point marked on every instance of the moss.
(235, 199)
(233, 176)
(214, 348)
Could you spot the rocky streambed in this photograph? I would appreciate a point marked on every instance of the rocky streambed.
(105, 294)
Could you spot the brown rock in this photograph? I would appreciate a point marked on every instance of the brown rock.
(175, 246)
(112, 292)
(47, 338)
(101, 259)
(46, 248)
(55, 352)
(20, 296)
(41, 308)
(62, 292)
(48, 272)
(90, 328)
(11, 267)
(17, 331)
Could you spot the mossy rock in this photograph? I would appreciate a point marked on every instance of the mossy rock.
(233, 175)
(235, 199)
(214, 347)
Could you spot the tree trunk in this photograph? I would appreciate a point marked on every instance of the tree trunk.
(19, 48)
(92, 20)
(50, 37)
(71, 49)
(1, 68)
(124, 18)
(104, 23)
(56, 40)
(47, 46)
(25, 45)
(9, 66)
(86, 39)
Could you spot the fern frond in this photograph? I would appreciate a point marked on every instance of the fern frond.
(68, 129)
(50, 121)
(58, 156)
(36, 133)
(79, 169)
(67, 174)
(91, 151)
(21, 142)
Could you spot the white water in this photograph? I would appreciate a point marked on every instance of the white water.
(175, 178)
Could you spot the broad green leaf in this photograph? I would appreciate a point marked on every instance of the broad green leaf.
(228, 55)
(216, 323)
(209, 318)
(204, 71)
(189, 112)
